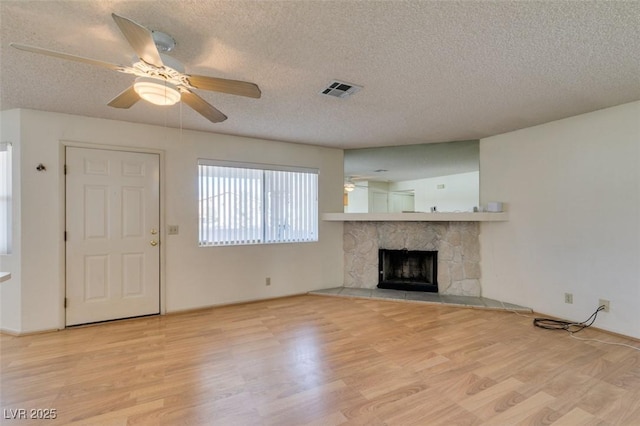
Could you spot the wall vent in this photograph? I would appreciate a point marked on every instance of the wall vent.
(340, 89)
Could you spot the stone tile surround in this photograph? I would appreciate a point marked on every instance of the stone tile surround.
(457, 243)
(421, 297)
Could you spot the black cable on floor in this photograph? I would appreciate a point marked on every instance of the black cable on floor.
(571, 327)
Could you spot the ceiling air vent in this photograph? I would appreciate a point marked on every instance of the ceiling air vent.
(340, 89)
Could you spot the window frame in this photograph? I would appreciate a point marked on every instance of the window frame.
(305, 231)
(6, 200)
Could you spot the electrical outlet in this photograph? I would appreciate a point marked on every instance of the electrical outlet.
(568, 298)
(267, 281)
(173, 229)
(605, 303)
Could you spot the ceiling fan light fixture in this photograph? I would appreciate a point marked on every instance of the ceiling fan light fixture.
(161, 78)
(348, 187)
(156, 91)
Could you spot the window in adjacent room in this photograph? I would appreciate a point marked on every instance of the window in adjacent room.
(242, 203)
(5, 197)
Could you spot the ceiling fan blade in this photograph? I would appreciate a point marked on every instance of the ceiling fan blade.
(234, 87)
(126, 99)
(69, 57)
(140, 39)
(202, 107)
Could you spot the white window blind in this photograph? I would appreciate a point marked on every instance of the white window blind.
(5, 198)
(256, 204)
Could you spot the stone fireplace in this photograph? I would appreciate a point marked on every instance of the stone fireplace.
(412, 270)
(456, 243)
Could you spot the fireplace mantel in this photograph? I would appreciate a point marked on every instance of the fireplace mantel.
(416, 217)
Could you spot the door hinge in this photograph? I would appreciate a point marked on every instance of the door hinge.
(65, 302)
(65, 235)
(65, 169)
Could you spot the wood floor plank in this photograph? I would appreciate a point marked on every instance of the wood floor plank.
(322, 361)
(490, 396)
(577, 417)
(521, 411)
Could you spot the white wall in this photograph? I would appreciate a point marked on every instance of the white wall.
(573, 193)
(460, 192)
(193, 277)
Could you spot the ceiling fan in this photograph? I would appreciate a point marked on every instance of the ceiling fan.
(160, 79)
(350, 183)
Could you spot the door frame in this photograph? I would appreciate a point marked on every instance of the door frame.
(62, 225)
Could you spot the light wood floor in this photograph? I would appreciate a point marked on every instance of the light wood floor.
(325, 361)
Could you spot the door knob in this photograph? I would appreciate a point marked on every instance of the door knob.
(154, 243)
(154, 231)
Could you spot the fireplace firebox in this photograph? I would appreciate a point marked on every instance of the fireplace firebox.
(410, 270)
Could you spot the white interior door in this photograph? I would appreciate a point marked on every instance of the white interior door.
(112, 240)
(379, 202)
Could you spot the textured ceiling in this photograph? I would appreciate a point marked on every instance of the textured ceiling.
(411, 162)
(431, 71)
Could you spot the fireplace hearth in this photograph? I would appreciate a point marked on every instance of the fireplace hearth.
(410, 270)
